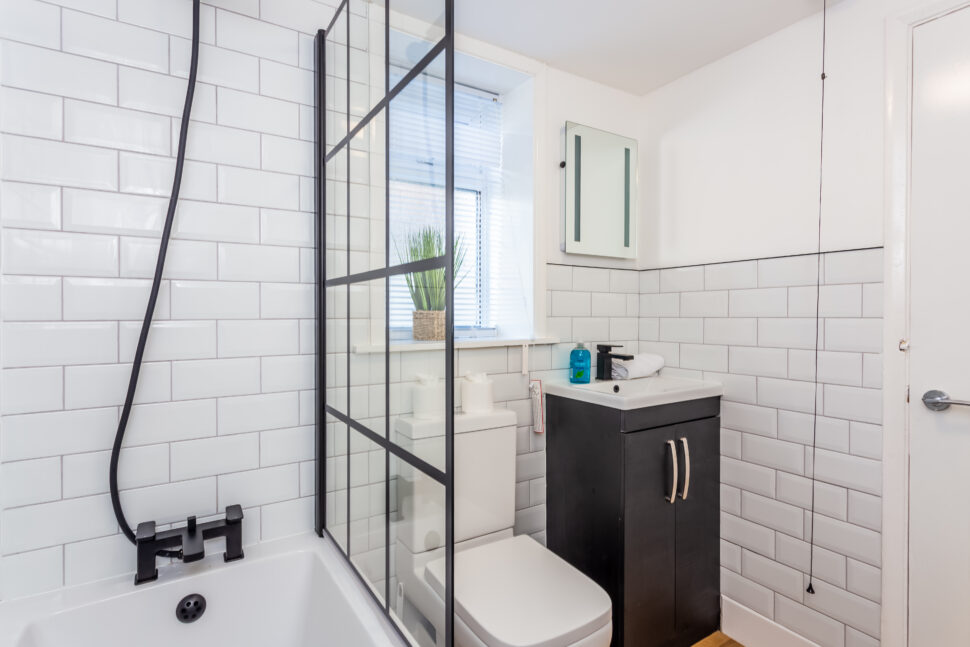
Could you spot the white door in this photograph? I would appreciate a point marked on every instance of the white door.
(939, 558)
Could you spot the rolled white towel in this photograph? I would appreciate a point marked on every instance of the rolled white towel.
(640, 366)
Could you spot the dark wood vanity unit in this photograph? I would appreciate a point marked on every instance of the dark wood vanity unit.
(611, 476)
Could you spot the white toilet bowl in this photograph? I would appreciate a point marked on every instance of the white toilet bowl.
(509, 591)
(514, 592)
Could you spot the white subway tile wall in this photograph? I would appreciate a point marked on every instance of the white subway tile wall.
(593, 305)
(750, 325)
(91, 93)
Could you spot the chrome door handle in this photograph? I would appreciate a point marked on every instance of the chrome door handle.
(939, 401)
(673, 481)
(683, 494)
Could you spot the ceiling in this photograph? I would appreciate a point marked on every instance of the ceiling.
(633, 45)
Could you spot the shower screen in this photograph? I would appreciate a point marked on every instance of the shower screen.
(385, 367)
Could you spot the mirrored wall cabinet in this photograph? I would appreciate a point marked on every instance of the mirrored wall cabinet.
(601, 193)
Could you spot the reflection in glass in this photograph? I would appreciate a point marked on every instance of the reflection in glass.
(335, 334)
(335, 215)
(417, 401)
(335, 80)
(417, 539)
(336, 481)
(416, 26)
(416, 161)
(368, 472)
(368, 196)
(367, 374)
(366, 57)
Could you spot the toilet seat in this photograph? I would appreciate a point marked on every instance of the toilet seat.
(516, 593)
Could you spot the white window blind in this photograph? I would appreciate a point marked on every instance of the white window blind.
(417, 191)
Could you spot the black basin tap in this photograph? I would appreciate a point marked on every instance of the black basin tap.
(604, 360)
(190, 541)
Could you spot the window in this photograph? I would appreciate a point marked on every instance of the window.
(493, 199)
(417, 194)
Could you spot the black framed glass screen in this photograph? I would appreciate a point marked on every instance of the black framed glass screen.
(385, 423)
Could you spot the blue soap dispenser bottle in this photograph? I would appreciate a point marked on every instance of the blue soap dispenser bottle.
(579, 364)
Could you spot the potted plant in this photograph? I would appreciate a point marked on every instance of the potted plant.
(428, 289)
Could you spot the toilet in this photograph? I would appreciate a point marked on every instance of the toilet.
(510, 591)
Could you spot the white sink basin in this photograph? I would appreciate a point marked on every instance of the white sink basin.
(635, 394)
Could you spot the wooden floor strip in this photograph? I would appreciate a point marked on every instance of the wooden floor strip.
(718, 640)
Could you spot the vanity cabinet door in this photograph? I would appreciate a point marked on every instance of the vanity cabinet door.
(698, 527)
(649, 573)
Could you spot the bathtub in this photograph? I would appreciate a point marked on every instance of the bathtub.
(295, 592)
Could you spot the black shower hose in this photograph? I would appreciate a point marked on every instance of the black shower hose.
(153, 296)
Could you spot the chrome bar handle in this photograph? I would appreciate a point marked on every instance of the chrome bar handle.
(939, 401)
(683, 494)
(673, 484)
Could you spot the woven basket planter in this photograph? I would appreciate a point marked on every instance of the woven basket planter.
(428, 325)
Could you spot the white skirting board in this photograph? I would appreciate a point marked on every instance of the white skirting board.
(754, 630)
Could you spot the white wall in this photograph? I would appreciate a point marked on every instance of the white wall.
(560, 97)
(730, 160)
(571, 98)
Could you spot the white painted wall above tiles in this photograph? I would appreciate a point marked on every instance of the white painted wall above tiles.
(91, 93)
(571, 98)
(730, 153)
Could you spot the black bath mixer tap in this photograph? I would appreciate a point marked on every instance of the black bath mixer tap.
(190, 540)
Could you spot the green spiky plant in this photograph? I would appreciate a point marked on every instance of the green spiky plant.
(428, 289)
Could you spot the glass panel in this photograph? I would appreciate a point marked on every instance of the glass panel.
(380, 509)
(335, 215)
(417, 400)
(417, 532)
(368, 503)
(336, 482)
(367, 374)
(416, 27)
(335, 336)
(416, 159)
(366, 57)
(335, 79)
(368, 199)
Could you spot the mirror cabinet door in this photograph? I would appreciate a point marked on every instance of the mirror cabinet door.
(601, 193)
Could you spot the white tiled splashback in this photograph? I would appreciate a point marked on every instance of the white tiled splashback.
(750, 325)
(91, 93)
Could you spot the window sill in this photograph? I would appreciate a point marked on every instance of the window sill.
(460, 344)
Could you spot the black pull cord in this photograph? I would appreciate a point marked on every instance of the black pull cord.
(818, 293)
(153, 296)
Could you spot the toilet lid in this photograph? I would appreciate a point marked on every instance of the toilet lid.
(516, 593)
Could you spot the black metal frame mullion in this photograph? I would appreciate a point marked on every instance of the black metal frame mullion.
(320, 293)
(387, 308)
(450, 323)
(423, 265)
(346, 143)
(418, 463)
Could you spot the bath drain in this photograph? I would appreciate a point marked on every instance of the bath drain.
(190, 608)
